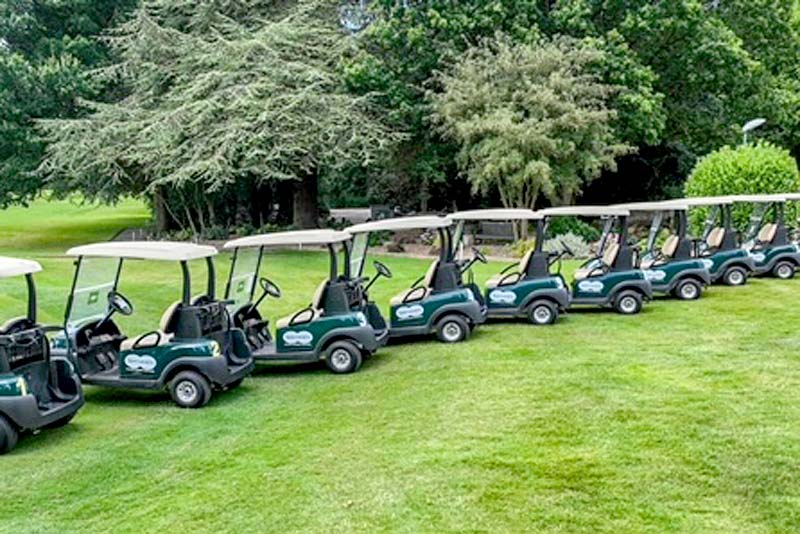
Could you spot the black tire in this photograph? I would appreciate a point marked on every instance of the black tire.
(542, 312)
(735, 276)
(64, 421)
(452, 329)
(343, 357)
(688, 289)
(8, 435)
(783, 270)
(628, 303)
(190, 389)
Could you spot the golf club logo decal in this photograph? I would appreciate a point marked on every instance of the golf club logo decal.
(406, 313)
(654, 275)
(591, 286)
(708, 264)
(294, 339)
(140, 364)
(759, 257)
(500, 296)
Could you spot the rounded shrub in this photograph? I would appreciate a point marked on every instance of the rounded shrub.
(760, 168)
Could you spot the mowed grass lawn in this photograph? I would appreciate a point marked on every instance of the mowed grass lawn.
(683, 419)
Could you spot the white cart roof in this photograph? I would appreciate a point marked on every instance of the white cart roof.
(401, 223)
(299, 237)
(498, 214)
(145, 250)
(10, 267)
(701, 201)
(674, 205)
(792, 196)
(585, 211)
(759, 199)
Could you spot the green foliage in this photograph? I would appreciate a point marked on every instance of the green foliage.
(753, 168)
(530, 119)
(240, 93)
(564, 225)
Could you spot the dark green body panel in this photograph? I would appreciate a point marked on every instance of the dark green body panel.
(306, 337)
(665, 277)
(718, 262)
(420, 313)
(135, 364)
(765, 259)
(9, 386)
(515, 297)
(603, 288)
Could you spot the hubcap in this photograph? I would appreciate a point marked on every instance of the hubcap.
(341, 358)
(542, 314)
(628, 304)
(735, 278)
(689, 291)
(784, 271)
(451, 331)
(186, 391)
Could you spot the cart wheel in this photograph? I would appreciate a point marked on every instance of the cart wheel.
(343, 357)
(64, 421)
(784, 270)
(190, 389)
(452, 329)
(628, 303)
(688, 289)
(542, 312)
(735, 276)
(8, 435)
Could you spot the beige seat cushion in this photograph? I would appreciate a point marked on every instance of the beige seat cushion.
(610, 255)
(427, 283)
(317, 304)
(608, 259)
(670, 246)
(715, 237)
(146, 341)
(166, 317)
(767, 233)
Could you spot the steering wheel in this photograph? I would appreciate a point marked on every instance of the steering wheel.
(382, 269)
(479, 255)
(118, 303)
(270, 287)
(566, 248)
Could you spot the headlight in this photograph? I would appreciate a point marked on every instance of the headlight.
(22, 386)
(361, 318)
(216, 350)
(470, 295)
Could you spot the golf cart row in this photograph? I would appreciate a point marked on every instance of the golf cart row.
(205, 344)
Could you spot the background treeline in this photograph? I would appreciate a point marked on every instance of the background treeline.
(244, 113)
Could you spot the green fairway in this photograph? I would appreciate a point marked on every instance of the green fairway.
(685, 418)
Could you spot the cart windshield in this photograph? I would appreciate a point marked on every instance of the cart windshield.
(655, 231)
(244, 274)
(94, 280)
(757, 220)
(608, 237)
(358, 254)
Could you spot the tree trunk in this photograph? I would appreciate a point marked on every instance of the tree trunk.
(306, 201)
(160, 212)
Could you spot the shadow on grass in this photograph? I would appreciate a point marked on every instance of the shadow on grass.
(30, 443)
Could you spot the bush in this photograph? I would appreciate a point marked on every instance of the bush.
(747, 169)
(573, 225)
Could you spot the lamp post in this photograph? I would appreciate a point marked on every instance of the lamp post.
(750, 126)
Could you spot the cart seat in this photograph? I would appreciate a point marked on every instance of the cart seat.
(11, 322)
(427, 283)
(155, 338)
(715, 237)
(668, 250)
(317, 305)
(767, 233)
(522, 268)
(608, 259)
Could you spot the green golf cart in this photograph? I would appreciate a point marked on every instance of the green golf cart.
(524, 288)
(767, 239)
(667, 260)
(340, 326)
(611, 278)
(718, 246)
(194, 351)
(37, 390)
(438, 302)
